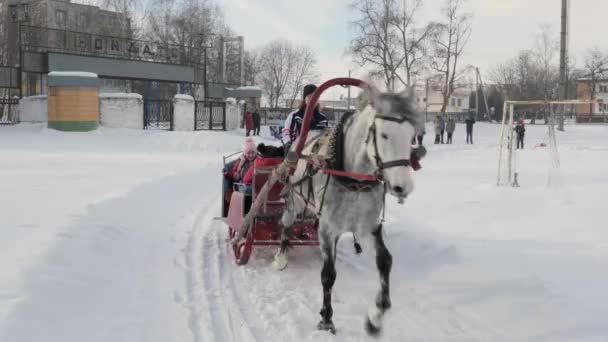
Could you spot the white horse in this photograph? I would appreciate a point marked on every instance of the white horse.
(376, 140)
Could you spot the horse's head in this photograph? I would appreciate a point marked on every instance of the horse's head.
(390, 138)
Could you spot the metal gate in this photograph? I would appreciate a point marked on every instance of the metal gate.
(210, 115)
(8, 111)
(158, 114)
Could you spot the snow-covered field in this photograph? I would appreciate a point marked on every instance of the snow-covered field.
(109, 236)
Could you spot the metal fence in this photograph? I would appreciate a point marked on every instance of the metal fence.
(8, 111)
(592, 118)
(210, 115)
(158, 114)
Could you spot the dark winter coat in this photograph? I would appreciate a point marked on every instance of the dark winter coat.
(450, 126)
(240, 174)
(293, 124)
(469, 122)
(520, 130)
(256, 119)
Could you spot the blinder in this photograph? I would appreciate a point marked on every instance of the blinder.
(381, 164)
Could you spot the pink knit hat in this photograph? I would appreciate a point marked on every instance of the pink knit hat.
(249, 145)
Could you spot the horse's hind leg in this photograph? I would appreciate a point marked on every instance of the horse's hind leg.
(328, 278)
(384, 261)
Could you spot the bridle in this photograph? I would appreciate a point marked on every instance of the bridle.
(382, 165)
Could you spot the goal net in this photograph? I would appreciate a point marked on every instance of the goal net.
(508, 174)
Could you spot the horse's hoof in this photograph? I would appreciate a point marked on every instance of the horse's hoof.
(373, 323)
(327, 326)
(371, 329)
(280, 261)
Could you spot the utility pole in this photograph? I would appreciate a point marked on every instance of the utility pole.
(563, 60)
(476, 94)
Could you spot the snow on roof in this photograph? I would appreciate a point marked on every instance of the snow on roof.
(72, 74)
(184, 97)
(249, 88)
(121, 95)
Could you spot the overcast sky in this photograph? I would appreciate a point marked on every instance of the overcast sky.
(500, 27)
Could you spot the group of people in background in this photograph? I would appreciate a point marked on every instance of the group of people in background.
(252, 122)
(444, 130)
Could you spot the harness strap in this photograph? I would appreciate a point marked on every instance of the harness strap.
(383, 204)
(360, 176)
(323, 195)
(394, 163)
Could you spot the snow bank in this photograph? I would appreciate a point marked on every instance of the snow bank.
(249, 88)
(72, 74)
(183, 113)
(184, 97)
(132, 252)
(121, 110)
(33, 109)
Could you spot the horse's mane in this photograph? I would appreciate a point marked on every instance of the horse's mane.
(398, 105)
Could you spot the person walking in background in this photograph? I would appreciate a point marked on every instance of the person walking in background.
(450, 127)
(469, 122)
(442, 123)
(248, 123)
(256, 122)
(420, 132)
(437, 126)
(520, 130)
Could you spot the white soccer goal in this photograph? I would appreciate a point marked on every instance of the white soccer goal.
(507, 161)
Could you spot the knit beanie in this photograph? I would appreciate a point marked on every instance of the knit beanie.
(308, 90)
(248, 145)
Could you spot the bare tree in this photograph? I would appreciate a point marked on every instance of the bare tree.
(411, 39)
(304, 71)
(546, 53)
(3, 37)
(253, 66)
(376, 43)
(449, 41)
(278, 68)
(596, 68)
(283, 69)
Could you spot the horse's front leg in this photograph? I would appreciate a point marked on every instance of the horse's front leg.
(328, 278)
(287, 220)
(384, 262)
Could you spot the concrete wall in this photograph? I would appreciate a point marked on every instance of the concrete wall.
(234, 113)
(183, 113)
(33, 109)
(120, 110)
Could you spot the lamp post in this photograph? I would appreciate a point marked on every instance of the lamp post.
(19, 15)
(204, 48)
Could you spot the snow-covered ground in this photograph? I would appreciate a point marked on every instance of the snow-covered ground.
(110, 236)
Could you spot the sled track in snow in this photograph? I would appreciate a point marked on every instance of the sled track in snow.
(237, 303)
(256, 303)
(219, 312)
